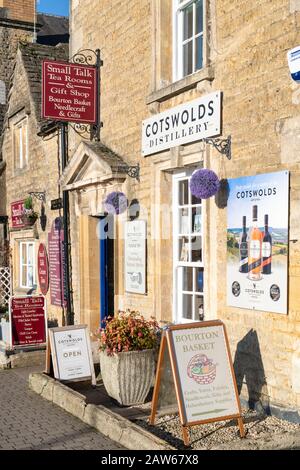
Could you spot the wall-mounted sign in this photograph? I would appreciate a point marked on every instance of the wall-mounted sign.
(203, 375)
(28, 321)
(43, 269)
(70, 350)
(135, 256)
(257, 242)
(186, 123)
(69, 92)
(294, 63)
(17, 209)
(56, 264)
(56, 204)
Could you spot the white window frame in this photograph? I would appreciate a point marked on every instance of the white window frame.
(178, 7)
(21, 160)
(27, 244)
(178, 314)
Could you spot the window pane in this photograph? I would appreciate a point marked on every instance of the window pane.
(199, 16)
(197, 219)
(188, 58)
(183, 193)
(30, 279)
(184, 249)
(188, 22)
(24, 143)
(185, 277)
(30, 254)
(199, 279)
(24, 276)
(184, 225)
(187, 306)
(199, 52)
(24, 253)
(196, 246)
(195, 200)
(199, 309)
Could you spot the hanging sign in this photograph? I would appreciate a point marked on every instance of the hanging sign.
(56, 264)
(135, 256)
(257, 242)
(69, 92)
(17, 209)
(203, 375)
(69, 348)
(186, 123)
(43, 269)
(56, 204)
(28, 321)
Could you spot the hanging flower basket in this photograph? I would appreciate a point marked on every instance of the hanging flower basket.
(29, 219)
(204, 184)
(116, 203)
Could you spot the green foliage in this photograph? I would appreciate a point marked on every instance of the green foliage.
(128, 331)
(28, 204)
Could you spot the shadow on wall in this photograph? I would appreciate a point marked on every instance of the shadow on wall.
(249, 370)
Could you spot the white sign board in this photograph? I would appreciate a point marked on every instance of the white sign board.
(294, 63)
(186, 123)
(204, 371)
(71, 353)
(135, 256)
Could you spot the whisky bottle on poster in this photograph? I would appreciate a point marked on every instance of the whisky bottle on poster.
(255, 247)
(244, 248)
(267, 249)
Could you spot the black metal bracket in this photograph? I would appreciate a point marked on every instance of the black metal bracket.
(40, 196)
(133, 171)
(223, 146)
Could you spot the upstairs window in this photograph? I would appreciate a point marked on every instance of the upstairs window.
(188, 37)
(20, 144)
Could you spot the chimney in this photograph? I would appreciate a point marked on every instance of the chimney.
(20, 10)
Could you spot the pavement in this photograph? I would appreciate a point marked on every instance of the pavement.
(29, 422)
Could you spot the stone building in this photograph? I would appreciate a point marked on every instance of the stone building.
(19, 22)
(159, 54)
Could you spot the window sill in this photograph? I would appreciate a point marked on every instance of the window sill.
(186, 83)
(25, 291)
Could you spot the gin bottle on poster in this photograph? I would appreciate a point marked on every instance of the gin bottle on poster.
(267, 248)
(255, 248)
(243, 246)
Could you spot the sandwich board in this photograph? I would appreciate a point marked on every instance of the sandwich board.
(203, 375)
(69, 349)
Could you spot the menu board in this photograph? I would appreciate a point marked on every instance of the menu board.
(56, 264)
(28, 321)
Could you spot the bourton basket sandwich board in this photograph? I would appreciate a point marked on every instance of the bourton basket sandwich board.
(69, 348)
(203, 374)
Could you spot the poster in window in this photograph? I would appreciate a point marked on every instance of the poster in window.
(257, 242)
(135, 256)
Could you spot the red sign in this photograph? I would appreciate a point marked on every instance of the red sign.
(56, 264)
(17, 209)
(69, 92)
(43, 269)
(28, 321)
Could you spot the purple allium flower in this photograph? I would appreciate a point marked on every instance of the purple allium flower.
(204, 184)
(116, 203)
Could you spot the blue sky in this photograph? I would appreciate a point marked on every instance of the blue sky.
(56, 7)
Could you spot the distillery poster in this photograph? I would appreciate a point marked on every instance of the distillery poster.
(257, 242)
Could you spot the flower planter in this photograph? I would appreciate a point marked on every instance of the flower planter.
(28, 221)
(128, 376)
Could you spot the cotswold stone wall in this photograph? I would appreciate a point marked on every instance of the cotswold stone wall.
(246, 45)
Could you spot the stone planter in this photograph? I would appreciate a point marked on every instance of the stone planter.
(128, 376)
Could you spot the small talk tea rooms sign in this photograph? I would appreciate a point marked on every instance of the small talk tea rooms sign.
(203, 375)
(70, 350)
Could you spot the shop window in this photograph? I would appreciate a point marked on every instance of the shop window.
(20, 144)
(188, 47)
(188, 259)
(27, 265)
(2, 92)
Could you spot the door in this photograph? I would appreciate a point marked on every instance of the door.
(106, 267)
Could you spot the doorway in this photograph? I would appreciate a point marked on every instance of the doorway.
(107, 285)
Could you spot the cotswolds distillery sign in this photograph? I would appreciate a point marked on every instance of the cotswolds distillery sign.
(69, 92)
(186, 123)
